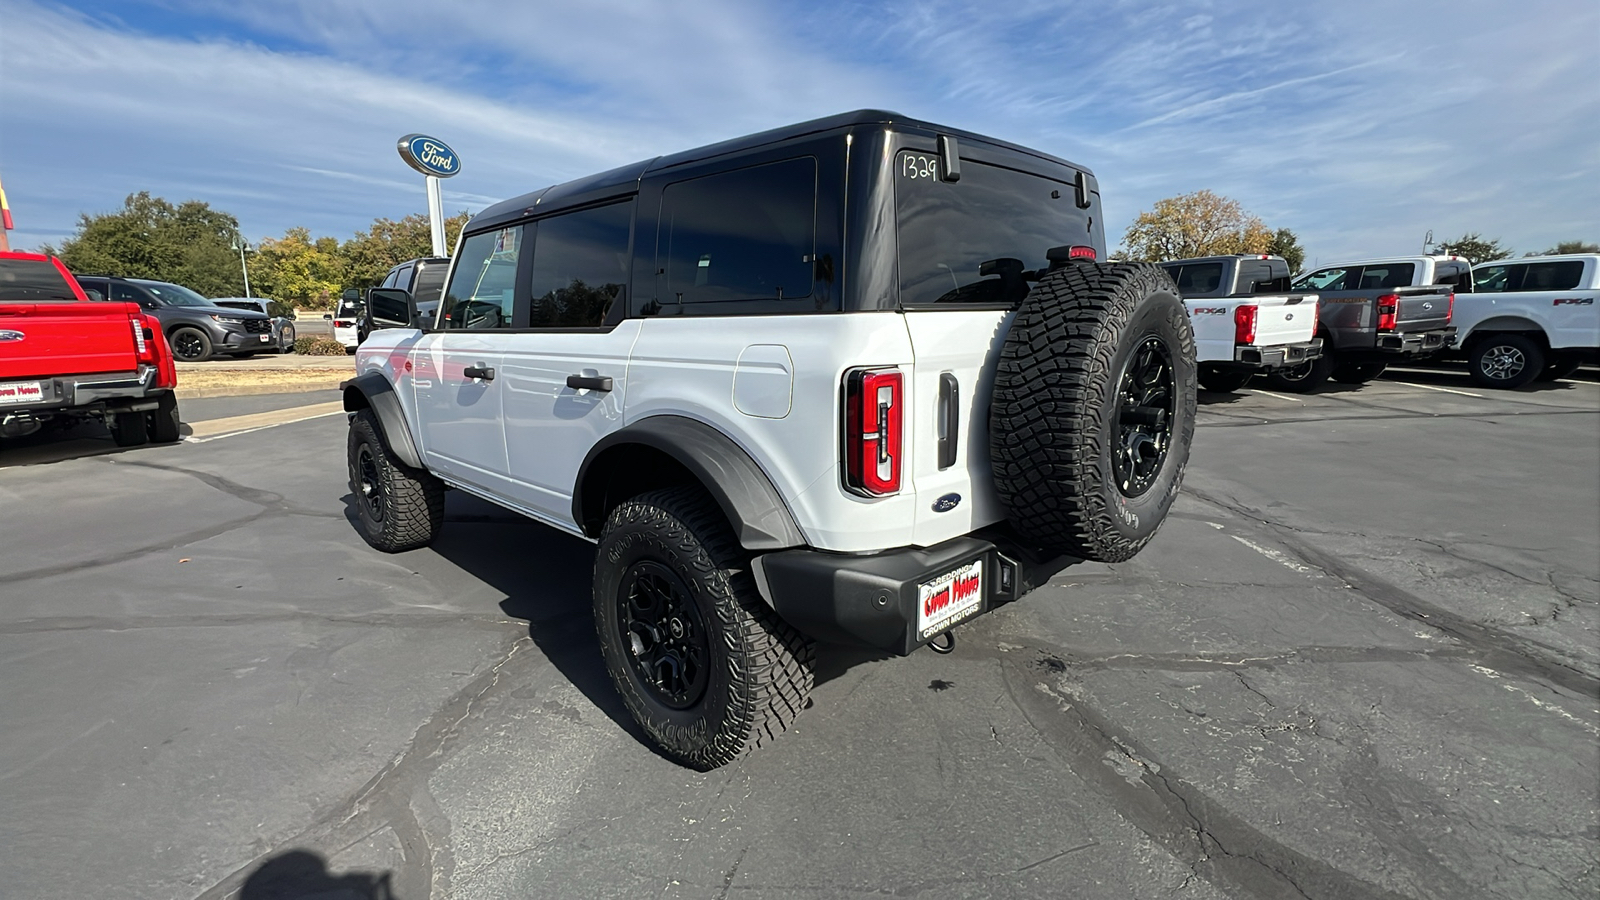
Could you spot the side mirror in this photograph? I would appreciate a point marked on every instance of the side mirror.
(390, 308)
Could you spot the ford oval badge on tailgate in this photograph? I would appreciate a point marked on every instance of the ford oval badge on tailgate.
(946, 503)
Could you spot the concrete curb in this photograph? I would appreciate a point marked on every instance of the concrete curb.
(248, 390)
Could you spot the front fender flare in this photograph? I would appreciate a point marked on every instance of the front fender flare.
(373, 391)
(753, 506)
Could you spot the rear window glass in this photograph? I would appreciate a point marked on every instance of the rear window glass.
(982, 239)
(33, 281)
(1553, 276)
(1196, 278)
(749, 234)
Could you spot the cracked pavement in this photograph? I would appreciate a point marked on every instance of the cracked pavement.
(1361, 660)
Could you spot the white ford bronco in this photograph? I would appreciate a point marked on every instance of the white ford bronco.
(856, 380)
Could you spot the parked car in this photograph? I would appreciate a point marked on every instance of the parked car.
(1534, 317)
(859, 379)
(423, 279)
(65, 358)
(1377, 311)
(195, 327)
(349, 325)
(282, 316)
(1244, 322)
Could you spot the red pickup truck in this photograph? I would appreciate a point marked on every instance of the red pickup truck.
(65, 358)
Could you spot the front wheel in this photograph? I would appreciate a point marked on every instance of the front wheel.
(1357, 373)
(397, 507)
(702, 663)
(189, 344)
(1223, 379)
(1505, 361)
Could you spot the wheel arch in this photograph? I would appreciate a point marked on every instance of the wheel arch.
(1498, 324)
(667, 450)
(373, 391)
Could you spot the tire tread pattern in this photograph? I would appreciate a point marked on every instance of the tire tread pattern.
(414, 499)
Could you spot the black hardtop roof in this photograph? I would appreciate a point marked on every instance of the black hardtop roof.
(624, 179)
(1219, 258)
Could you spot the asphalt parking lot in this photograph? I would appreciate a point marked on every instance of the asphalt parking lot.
(1361, 660)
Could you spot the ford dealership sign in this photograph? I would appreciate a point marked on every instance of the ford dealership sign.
(430, 156)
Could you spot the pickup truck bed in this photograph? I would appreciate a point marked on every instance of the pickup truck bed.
(1240, 327)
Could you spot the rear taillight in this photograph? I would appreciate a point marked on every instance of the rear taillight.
(153, 351)
(1244, 324)
(1388, 311)
(1450, 310)
(142, 346)
(874, 400)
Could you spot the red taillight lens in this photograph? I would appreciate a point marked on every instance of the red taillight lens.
(1450, 310)
(1244, 324)
(874, 399)
(1388, 311)
(153, 351)
(140, 345)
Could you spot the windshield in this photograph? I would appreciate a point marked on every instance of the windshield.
(979, 240)
(33, 281)
(174, 294)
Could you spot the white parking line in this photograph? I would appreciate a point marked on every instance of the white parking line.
(1429, 387)
(1279, 396)
(1276, 556)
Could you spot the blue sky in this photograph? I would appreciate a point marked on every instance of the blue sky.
(1360, 124)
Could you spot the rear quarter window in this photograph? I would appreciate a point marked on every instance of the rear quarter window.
(33, 281)
(747, 234)
(1563, 275)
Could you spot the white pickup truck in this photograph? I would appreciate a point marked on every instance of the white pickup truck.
(1535, 317)
(1239, 329)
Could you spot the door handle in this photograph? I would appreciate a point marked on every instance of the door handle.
(600, 383)
(479, 371)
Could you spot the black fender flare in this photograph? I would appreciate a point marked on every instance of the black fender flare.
(755, 509)
(373, 391)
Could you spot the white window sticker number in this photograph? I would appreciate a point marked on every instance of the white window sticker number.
(916, 165)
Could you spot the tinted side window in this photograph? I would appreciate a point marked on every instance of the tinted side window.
(402, 277)
(430, 281)
(749, 234)
(126, 293)
(580, 263)
(1334, 279)
(1199, 278)
(1391, 275)
(480, 295)
(1496, 279)
(1553, 276)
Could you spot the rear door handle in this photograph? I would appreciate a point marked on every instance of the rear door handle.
(600, 383)
(479, 371)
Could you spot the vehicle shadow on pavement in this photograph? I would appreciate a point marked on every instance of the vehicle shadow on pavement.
(298, 874)
(50, 445)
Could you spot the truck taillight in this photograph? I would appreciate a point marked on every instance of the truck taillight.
(1388, 311)
(874, 400)
(141, 346)
(1450, 309)
(1244, 324)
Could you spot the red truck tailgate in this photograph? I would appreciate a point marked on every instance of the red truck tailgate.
(75, 338)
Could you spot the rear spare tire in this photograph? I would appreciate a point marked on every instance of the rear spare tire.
(1093, 409)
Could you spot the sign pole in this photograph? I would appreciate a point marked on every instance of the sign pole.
(436, 216)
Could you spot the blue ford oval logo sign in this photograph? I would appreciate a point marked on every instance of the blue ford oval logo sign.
(946, 503)
(429, 155)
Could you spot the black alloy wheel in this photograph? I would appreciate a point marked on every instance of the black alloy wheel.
(1146, 399)
(369, 490)
(190, 344)
(661, 627)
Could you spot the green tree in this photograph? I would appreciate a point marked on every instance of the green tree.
(1201, 223)
(1569, 247)
(1474, 248)
(189, 244)
(1287, 245)
(372, 253)
(299, 269)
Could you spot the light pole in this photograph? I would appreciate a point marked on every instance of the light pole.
(240, 245)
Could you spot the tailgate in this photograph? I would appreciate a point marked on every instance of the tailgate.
(1285, 319)
(1423, 308)
(77, 338)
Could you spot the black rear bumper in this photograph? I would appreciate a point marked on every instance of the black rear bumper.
(872, 600)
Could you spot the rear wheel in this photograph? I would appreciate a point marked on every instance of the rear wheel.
(163, 422)
(1093, 409)
(701, 661)
(1507, 360)
(1358, 373)
(1304, 378)
(397, 507)
(189, 344)
(129, 429)
(1223, 380)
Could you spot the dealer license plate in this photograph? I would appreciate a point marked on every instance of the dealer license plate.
(21, 392)
(265, 338)
(949, 599)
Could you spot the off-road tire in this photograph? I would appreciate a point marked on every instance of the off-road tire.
(1057, 421)
(189, 344)
(758, 671)
(1223, 379)
(1357, 373)
(163, 421)
(1306, 377)
(398, 508)
(1507, 361)
(1562, 366)
(129, 429)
